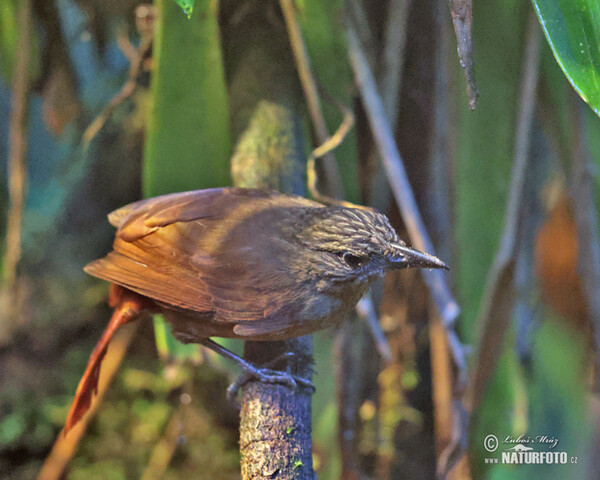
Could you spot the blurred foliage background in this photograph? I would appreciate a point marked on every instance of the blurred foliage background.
(102, 102)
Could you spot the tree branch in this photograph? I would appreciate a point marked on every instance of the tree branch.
(275, 422)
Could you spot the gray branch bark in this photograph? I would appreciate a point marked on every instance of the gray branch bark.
(275, 421)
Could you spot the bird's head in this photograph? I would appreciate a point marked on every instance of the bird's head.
(355, 244)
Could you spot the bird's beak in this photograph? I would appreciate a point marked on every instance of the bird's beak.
(405, 257)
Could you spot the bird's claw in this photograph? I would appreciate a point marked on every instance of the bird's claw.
(266, 375)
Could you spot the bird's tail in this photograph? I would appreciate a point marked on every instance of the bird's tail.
(127, 307)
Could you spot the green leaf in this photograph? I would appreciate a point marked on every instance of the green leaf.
(187, 6)
(188, 143)
(572, 28)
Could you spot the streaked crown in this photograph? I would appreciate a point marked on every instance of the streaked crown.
(358, 244)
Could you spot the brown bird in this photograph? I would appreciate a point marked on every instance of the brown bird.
(241, 263)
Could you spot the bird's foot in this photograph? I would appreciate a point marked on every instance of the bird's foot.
(266, 374)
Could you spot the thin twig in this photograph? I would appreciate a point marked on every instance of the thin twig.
(17, 168)
(402, 190)
(448, 411)
(65, 446)
(329, 145)
(135, 57)
(462, 18)
(366, 310)
(163, 451)
(337, 138)
(355, 9)
(442, 386)
(311, 94)
(494, 314)
(389, 79)
(392, 58)
(497, 301)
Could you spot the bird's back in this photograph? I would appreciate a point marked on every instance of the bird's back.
(210, 252)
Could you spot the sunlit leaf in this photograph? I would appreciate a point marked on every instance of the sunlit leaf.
(572, 28)
(187, 6)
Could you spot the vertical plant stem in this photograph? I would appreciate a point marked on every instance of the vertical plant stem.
(356, 368)
(17, 167)
(392, 59)
(497, 303)
(588, 236)
(446, 416)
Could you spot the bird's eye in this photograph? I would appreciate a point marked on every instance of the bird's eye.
(353, 261)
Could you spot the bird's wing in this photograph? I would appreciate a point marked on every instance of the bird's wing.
(190, 250)
(141, 218)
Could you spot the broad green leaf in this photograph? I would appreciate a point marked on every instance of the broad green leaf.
(188, 141)
(572, 28)
(559, 91)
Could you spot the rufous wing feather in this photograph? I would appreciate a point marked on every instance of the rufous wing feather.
(189, 250)
(143, 217)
